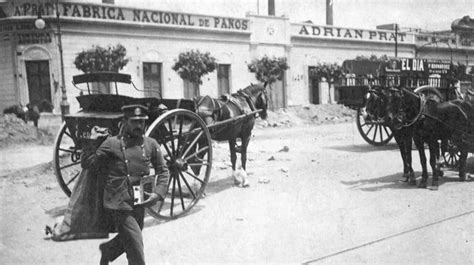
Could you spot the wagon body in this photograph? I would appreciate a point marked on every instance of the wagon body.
(419, 75)
(173, 123)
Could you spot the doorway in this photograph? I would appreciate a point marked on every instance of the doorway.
(191, 90)
(39, 85)
(313, 86)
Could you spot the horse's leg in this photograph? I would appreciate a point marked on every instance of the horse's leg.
(233, 160)
(404, 144)
(444, 149)
(400, 141)
(462, 165)
(421, 150)
(243, 159)
(434, 153)
(411, 174)
(439, 152)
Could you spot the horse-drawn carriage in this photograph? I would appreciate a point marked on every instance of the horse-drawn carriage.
(418, 75)
(184, 137)
(412, 99)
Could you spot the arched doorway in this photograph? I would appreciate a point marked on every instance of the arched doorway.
(38, 78)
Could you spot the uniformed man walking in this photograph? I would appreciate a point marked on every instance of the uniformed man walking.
(127, 157)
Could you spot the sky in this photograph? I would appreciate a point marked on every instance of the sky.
(366, 14)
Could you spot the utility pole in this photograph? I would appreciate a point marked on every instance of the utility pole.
(64, 103)
(396, 40)
(329, 16)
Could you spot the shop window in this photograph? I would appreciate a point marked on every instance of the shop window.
(223, 79)
(152, 79)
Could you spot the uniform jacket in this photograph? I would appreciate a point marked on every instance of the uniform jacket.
(125, 165)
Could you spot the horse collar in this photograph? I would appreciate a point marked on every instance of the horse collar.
(249, 100)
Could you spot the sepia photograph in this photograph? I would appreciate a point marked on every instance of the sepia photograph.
(236, 132)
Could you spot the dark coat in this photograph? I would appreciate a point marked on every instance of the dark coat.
(126, 165)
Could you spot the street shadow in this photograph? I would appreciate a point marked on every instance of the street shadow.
(364, 148)
(395, 181)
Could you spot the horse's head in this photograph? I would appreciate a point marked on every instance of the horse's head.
(375, 104)
(259, 97)
(403, 107)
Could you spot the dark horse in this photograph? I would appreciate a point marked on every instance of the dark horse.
(226, 109)
(378, 106)
(432, 121)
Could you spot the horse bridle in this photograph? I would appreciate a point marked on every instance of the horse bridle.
(420, 110)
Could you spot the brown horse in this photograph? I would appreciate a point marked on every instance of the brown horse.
(233, 110)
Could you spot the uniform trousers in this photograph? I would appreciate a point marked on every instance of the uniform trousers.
(129, 225)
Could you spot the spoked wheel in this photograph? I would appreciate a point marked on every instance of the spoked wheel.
(66, 159)
(186, 146)
(373, 132)
(452, 155)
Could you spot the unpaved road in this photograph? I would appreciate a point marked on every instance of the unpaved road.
(340, 201)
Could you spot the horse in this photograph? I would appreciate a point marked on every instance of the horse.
(211, 110)
(455, 119)
(376, 107)
(432, 121)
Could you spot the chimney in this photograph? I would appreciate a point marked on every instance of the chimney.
(329, 4)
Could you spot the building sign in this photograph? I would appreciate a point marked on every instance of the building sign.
(34, 38)
(414, 65)
(116, 13)
(330, 32)
(26, 32)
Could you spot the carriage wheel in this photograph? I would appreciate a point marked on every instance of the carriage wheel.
(452, 155)
(66, 159)
(372, 132)
(187, 149)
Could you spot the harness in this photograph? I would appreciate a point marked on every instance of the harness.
(242, 100)
(420, 110)
(213, 112)
(248, 99)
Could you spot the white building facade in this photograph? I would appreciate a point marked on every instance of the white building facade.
(31, 67)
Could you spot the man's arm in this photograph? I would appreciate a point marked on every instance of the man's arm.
(95, 149)
(161, 171)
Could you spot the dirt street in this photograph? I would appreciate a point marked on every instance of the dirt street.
(331, 198)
